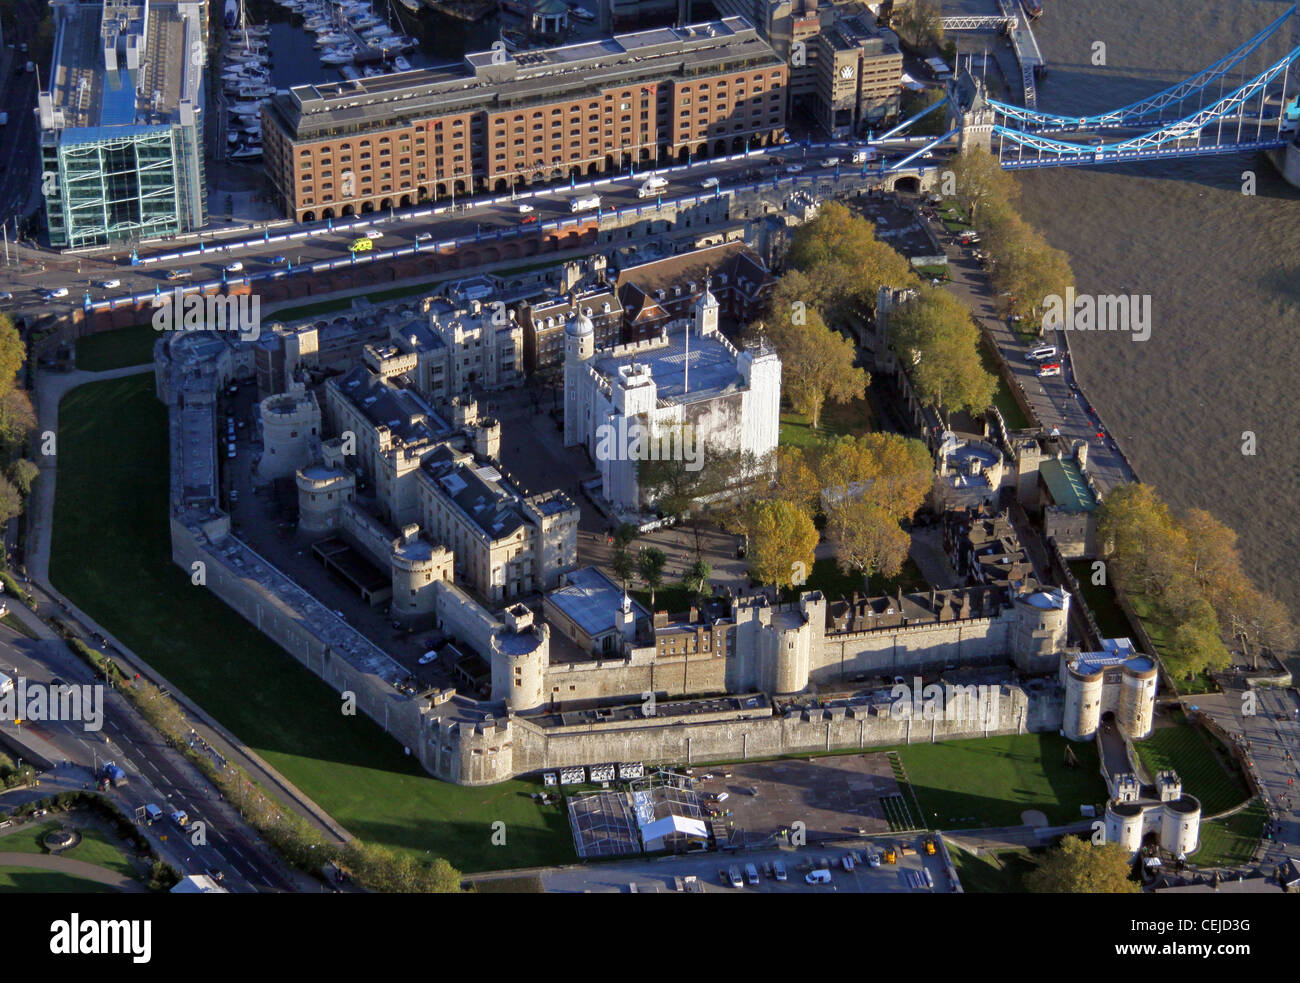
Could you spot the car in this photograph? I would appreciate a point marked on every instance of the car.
(767, 870)
(236, 267)
(528, 220)
(428, 657)
(793, 168)
(723, 796)
(423, 236)
(525, 208)
(709, 182)
(751, 874)
(216, 873)
(724, 877)
(778, 870)
(278, 260)
(109, 284)
(831, 162)
(873, 858)
(152, 814)
(6, 295)
(847, 862)
(733, 876)
(818, 877)
(373, 234)
(179, 274)
(56, 293)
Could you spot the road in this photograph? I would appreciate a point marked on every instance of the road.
(475, 216)
(1058, 402)
(156, 773)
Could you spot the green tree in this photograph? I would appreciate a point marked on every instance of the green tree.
(650, 564)
(696, 578)
(844, 262)
(12, 354)
(913, 103)
(979, 181)
(867, 539)
(934, 338)
(782, 542)
(1078, 867)
(22, 473)
(817, 365)
(919, 22)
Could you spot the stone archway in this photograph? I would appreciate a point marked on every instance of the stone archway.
(309, 216)
(367, 207)
(327, 214)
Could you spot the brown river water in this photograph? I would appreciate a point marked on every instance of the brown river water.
(1222, 269)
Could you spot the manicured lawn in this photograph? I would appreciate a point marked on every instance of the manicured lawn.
(992, 873)
(1232, 841)
(94, 848)
(989, 782)
(1188, 751)
(129, 584)
(28, 880)
(1111, 619)
(116, 349)
(344, 303)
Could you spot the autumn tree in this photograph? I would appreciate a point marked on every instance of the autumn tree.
(782, 542)
(1079, 867)
(920, 22)
(978, 180)
(867, 539)
(844, 262)
(934, 338)
(12, 354)
(696, 578)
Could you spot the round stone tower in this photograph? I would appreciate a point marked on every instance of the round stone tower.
(1082, 712)
(290, 433)
(322, 493)
(1137, 698)
(416, 566)
(1042, 629)
(1124, 825)
(520, 655)
(579, 347)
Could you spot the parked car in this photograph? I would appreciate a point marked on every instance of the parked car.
(733, 876)
(778, 869)
(818, 877)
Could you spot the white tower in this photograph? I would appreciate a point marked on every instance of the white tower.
(579, 346)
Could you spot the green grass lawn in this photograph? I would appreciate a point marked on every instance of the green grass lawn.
(854, 417)
(1012, 414)
(1160, 632)
(828, 578)
(94, 848)
(18, 625)
(1188, 751)
(1232, 841)
(116, 349)
(1111, 619)
(129, 584)
(992, 873)
(989, 782)
(29, 880)
(344, 303)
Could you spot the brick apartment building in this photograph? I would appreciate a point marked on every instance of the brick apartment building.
(498, 120)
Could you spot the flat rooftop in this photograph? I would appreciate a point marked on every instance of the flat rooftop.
(711, 362)
(150, 75)
(592, 601)
(502, 80)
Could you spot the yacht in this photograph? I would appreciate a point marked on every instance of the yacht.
(331, 40)
(338, 56)
(247, 108)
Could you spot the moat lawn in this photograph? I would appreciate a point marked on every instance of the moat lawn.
(116, 349)
(111, 555)
(1199, 761)
(990, 782)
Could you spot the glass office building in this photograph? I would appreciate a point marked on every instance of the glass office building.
(117, 165)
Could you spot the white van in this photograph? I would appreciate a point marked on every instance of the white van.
(584, 204)
(751, 873)
(818, 877)
(1042, 354)
(651, 186)
(862, 156)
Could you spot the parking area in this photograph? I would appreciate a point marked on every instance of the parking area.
(712, 871)
(833, 797)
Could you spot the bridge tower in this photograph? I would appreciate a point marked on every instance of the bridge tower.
(970, 112)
